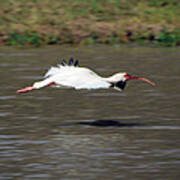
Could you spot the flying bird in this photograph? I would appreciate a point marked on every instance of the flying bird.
(72, 76)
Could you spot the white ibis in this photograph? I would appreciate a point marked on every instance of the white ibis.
(72, 76)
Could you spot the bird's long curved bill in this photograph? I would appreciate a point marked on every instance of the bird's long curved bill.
(128, 77)
(24, 90)
(146, 80)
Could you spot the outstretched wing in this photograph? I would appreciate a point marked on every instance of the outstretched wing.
(60, 67)
(71, 75)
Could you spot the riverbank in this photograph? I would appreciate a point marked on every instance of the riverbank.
(89, 21)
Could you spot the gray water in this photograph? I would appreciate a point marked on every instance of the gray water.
(50, 134)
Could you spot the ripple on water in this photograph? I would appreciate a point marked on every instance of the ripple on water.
(16, 54)
(47, 147)
(7, 97)
(4, 114)
(30, 77)
(106, 94)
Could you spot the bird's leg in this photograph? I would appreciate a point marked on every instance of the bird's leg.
(36, 85)
(27, 89)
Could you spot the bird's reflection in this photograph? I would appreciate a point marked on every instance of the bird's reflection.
(108, 123)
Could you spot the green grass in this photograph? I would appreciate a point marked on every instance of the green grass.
(169, 38)
(26, 38)
(37, 22)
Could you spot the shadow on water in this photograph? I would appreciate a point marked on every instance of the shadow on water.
(107, 123)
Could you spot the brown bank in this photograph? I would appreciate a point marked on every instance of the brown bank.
(40, 22)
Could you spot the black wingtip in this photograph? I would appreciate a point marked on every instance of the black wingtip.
(76, 63)
(63, 62)
(71, 61)
(118, 85)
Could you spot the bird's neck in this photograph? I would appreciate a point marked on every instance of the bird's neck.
(110, 78)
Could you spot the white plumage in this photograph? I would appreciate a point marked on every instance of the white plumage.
(76, 77)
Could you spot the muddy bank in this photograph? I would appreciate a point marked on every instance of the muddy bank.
(89, 22)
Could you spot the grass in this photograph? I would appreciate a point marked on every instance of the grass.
(38, 22)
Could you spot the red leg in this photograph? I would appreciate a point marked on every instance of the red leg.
(27, 89)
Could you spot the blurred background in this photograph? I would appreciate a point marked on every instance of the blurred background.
(39, 22)
(63, 134)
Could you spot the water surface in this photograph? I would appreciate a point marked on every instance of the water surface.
(50, 134)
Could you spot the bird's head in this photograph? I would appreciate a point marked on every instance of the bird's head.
(118, 80)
